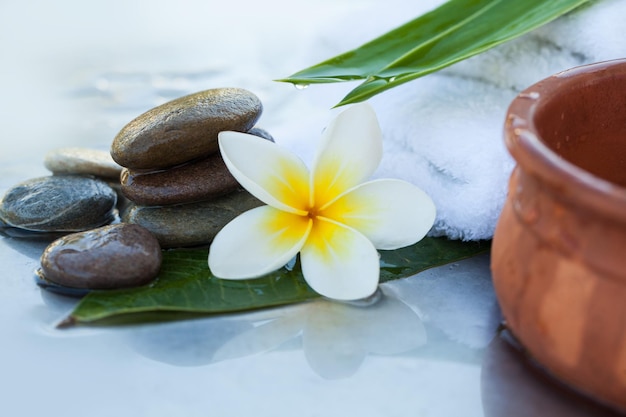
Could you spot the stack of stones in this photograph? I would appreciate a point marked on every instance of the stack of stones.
(174, 176)
(175, 191)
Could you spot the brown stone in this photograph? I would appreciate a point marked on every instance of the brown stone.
(114, 256)
(191, 182)
(184, 129)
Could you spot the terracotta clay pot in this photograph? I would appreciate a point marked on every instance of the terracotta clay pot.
(559, 251)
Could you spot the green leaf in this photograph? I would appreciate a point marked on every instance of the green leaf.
(185, 284)
(453, 32)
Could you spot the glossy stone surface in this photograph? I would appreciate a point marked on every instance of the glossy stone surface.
(194, 224)
(262, 133)
(184, 129)
(191, 182)
(115, 256)
(59, 203)
(82, 161)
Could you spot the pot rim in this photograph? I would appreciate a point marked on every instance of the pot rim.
(524, 142)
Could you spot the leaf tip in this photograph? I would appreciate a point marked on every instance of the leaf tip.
(67, 322)
(283, 80)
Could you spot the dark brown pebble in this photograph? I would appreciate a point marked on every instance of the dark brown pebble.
(188, 183)
(115, 256)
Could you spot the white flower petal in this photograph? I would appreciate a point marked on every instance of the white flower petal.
(269, 172)
(332, 352)
(339, 262)
(257, 242)
(349, 153)
(390, 213)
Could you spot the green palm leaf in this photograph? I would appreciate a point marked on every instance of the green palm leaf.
(186, 286)
(453, 32)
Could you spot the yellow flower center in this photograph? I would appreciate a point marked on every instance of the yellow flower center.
(312, 212)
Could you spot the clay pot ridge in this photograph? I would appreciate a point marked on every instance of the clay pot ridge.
(566, 98)
(557, 258)
(555, 128)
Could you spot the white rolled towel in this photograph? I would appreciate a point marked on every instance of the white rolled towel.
(443, 132)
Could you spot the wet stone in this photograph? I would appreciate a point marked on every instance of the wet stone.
(184, 129)
(82, 161)
(19, 233)
(115, 256)
(59, 203)
(262, 133)
(191, 182)
(189, 225)
(194, 181)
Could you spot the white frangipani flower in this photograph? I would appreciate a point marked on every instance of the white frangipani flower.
(329, 215)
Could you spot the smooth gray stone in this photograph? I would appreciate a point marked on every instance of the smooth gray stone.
(184, 129)
(115, 256)
(82, 161)
(59, 203)
(194, 224)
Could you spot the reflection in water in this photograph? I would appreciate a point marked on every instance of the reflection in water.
(336, 337)
(32, 248)
(454, 307)
(512, 386)
(187, 342)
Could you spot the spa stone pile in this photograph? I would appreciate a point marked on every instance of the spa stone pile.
(78, 202)
(174, 175)
(164, 174)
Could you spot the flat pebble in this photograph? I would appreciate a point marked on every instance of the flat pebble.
(82, 161)
(184, 129)
(194, 224)
(59, 203)
(188, 183)
(115, 256)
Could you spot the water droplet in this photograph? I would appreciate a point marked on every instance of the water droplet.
(516, 122)
(532, 95)
(392, 79)
(525, 206)
(291, 264)
(301, 86)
